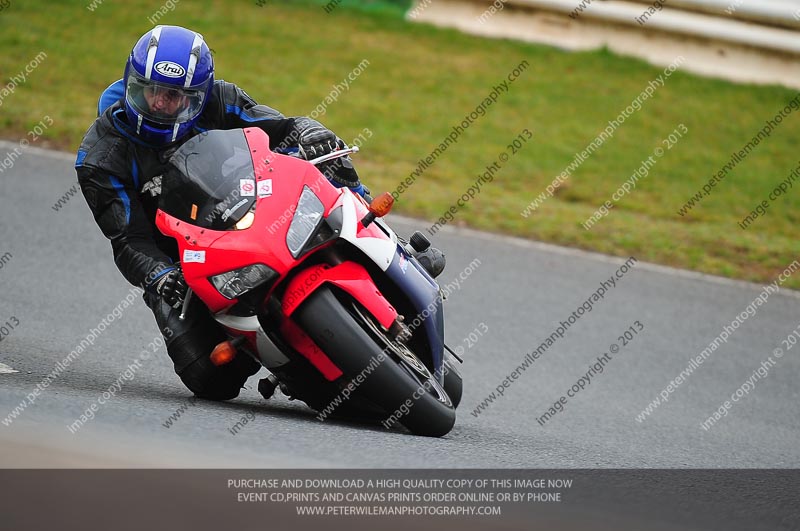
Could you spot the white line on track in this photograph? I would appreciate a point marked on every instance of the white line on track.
(5, 369)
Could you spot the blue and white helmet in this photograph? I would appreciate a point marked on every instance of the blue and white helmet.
(168, 81)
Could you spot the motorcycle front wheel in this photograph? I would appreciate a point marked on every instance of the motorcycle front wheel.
(392, 376)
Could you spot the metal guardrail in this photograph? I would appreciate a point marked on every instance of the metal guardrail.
(746, 41)
(676, 21)
(784, 13)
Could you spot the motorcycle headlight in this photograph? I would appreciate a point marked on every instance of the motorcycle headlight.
(246, 222)
(307, 218)
(234, 284)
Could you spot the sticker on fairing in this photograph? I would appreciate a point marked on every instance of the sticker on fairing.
(228, 213)
(247, 188)
(198, 257)
(403, 264)
(265, 188)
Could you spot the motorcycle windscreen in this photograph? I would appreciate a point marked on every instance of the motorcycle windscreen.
(210, 182)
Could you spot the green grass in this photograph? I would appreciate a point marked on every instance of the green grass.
(396, 8)
(420, 82)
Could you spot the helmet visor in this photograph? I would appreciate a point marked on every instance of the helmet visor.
(164, 104)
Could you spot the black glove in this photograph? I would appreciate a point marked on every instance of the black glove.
(316, 141)
(172, 288)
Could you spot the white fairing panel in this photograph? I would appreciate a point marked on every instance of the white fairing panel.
(269, 355)
(381, 251)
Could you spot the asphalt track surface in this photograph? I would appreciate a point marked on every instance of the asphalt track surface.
(60, 282)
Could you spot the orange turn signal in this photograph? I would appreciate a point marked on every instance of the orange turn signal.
(223, 353)
(382, 204)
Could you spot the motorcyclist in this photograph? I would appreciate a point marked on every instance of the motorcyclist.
(167, 96)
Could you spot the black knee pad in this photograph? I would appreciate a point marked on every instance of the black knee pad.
(208, 381)
(189, 345)
(196, 340)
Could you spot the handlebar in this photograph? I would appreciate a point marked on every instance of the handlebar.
(334, 155)
(324, 158)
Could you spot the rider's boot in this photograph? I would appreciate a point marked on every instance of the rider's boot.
(430, 258)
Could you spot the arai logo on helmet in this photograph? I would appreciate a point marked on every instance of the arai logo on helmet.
(169, 69)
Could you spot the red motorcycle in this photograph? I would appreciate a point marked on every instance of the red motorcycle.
(306, 278)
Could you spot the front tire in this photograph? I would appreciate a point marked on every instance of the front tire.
(453, 383)
(339, 329)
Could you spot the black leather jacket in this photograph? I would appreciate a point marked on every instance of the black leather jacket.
(120, 176)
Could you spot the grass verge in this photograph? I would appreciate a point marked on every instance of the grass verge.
(420, 82)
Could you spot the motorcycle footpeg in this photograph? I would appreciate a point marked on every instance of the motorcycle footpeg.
(267, 386)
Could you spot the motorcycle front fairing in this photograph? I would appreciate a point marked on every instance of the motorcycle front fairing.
(213, 185)
(423, 292)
